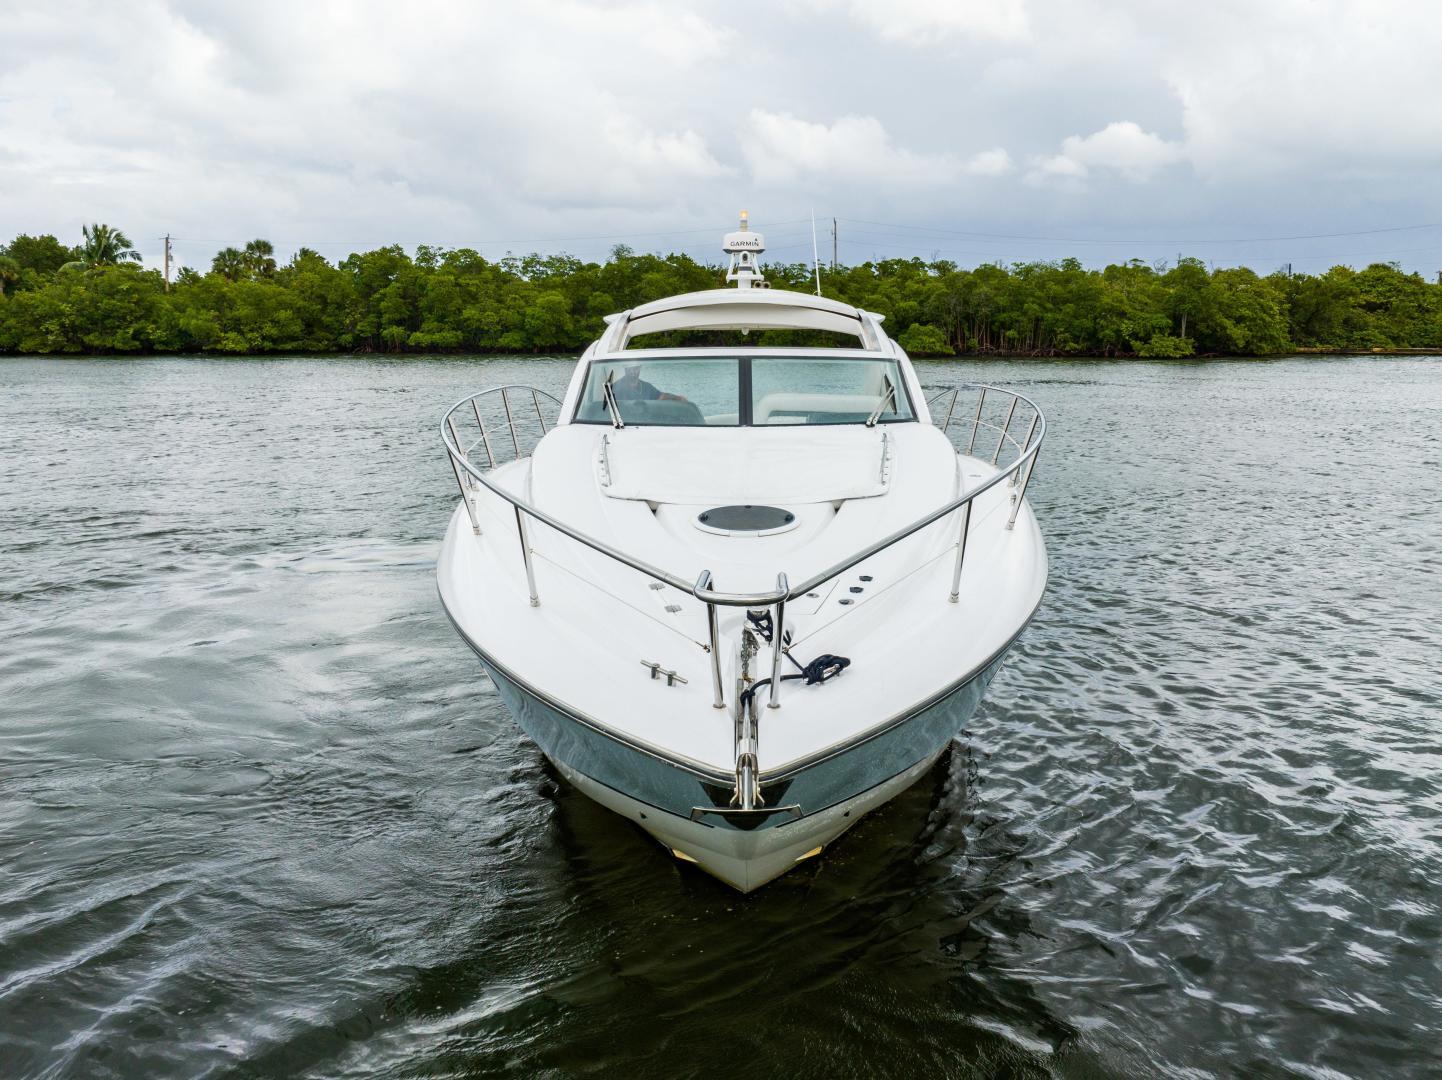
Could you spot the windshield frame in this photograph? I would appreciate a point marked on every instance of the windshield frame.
(745, 403)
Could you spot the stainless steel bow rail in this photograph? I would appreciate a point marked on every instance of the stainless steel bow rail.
(1017, 474)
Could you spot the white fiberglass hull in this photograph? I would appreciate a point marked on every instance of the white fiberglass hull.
(688, 811)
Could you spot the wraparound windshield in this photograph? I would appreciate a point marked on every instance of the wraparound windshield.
(729, 391)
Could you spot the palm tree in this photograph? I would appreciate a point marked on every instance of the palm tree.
(259, 256)
(229, 263)
(103, 246)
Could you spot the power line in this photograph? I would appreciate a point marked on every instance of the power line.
(869, 241)
(1147, 240)
(898, 242)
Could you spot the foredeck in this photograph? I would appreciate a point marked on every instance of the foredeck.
(584, 644)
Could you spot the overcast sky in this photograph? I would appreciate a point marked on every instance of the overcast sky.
(977, 131)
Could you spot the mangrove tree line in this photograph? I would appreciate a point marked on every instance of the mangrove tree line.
(96, 298)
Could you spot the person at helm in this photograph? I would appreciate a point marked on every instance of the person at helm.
(631, 387)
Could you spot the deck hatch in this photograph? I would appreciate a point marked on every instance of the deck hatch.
(750, 519)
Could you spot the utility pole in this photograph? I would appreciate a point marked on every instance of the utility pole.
(833, 247)
(167, 262)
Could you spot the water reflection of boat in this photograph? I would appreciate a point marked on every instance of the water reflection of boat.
(743, 595)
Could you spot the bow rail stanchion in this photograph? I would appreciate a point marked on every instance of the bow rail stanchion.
(526, 555)
(955, 596)
(976, 421)
(1005, 428)
(511, 421)
(950, 409)
(1020, 492)
(485, 439)
(777, 632)
(703, 584)
(465, 496)
(1025, 446)
(451, 422)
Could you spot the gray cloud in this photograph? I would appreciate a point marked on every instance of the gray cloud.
(982, 127)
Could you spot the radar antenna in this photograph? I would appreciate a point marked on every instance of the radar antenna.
(745, 248)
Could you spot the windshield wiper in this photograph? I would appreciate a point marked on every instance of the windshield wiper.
(888, 397)
(608, 395)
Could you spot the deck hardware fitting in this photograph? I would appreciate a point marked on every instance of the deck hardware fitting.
(605, 461)
(658, 672)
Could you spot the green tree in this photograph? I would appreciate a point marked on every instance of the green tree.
(453, 299)
(109, 310)
(1187, 292)
(41, 254)
(1244, 316)
(103, 246)
(1165, 346)
(922, 339)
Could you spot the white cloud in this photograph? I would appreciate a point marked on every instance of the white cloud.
(1287, 85)
(995, 162)
(925, 22)
(529, 121)
(681, 155)
(365, 122)
(1121, 147)
(785, 150)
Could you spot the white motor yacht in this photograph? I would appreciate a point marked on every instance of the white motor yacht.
(742, 595)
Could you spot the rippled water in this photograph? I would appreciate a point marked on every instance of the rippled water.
(262, 815)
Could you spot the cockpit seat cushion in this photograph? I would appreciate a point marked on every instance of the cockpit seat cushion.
(778, 408)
